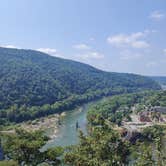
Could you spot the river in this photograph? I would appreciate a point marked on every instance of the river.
(67, 133)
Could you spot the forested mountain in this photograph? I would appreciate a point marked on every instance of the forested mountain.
(31, 78)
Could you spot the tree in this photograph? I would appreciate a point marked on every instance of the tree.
(9, 163)
(103, 147)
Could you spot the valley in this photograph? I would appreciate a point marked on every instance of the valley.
(46, 116)
(82, 83)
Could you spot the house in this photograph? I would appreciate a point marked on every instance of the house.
(158, 109)
(144, 116)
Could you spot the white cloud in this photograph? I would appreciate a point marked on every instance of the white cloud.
(129, 55)
(157, 15)
(50, 51)
(140, 44)
(164, 51)
(92, 39)
(81, 47)
(134, 40)
(10, 46)
(151, 64)
(91, 55)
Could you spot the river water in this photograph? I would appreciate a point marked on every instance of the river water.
(67, 133)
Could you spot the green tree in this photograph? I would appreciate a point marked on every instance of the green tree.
(103, 147)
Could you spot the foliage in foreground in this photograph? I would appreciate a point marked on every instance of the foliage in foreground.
(24, 147)
(9, 163)
(103, 147)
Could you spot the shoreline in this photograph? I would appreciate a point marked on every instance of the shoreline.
(41, 123)
(49, 125)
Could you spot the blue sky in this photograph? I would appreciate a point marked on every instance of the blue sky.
(113, 35)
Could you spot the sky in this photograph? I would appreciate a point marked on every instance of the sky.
(112, 35)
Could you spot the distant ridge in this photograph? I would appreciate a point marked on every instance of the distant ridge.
(160, 79)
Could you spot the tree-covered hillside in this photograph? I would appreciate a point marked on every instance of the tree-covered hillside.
(31, 78)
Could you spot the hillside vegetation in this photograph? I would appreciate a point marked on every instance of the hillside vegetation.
(119, 107)
(34, 84)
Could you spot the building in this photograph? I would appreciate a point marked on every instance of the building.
(158, 109)
(144, 116)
